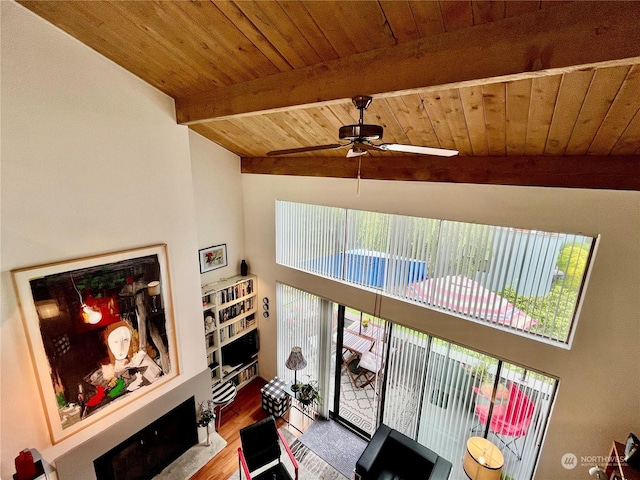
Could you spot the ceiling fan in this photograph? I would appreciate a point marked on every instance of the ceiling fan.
(361, 136)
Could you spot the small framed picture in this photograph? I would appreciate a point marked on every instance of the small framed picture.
(213, 257)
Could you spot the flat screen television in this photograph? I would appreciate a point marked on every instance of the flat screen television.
(242, 350)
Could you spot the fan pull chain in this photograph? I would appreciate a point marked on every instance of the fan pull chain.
(358, 181)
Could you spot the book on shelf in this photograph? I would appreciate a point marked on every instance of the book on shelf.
(234, 292)
(247, 373)
(234, 311)
(227, 369)
(237, 328)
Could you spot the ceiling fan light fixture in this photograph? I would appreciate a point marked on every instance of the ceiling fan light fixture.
(356, 152)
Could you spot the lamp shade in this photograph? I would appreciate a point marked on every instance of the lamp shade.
(295, 361)
(482, 460)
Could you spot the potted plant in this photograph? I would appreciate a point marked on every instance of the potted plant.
(207, 416)
(308, 393)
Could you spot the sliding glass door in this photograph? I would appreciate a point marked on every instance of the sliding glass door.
(371, 371)
(358, 353)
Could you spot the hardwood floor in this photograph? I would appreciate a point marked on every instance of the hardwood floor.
(248, 408)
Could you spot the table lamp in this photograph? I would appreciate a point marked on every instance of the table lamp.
(482, 460)
(295, 362)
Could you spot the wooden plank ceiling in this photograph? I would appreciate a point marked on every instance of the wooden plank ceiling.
(529, 92)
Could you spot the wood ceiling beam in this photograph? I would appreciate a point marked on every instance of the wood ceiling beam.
(562, 38)
(592, 172)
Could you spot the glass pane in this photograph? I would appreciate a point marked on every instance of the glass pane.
(405, 379)
(455, 376)
(362, 356)
(298, 326)
(519, 417)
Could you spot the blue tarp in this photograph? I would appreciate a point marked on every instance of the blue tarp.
(370, 268)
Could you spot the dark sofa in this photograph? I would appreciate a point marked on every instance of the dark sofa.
(392, 455)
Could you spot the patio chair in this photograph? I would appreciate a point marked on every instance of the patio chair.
(509, 419)
(368, 369)
(370, 366)
(260, 452)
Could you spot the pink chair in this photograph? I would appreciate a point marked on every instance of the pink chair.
(509, 419)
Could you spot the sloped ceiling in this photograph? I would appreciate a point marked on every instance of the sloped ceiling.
(529, 92)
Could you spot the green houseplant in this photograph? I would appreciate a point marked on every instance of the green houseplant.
(207, 416)
(308, 393)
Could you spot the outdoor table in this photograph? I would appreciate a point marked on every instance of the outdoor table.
(355, 344)
(373, 331)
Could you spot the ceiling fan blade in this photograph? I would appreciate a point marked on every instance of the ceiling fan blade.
(440, 152)
(289, 151)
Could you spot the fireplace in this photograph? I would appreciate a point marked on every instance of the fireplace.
(148, 451)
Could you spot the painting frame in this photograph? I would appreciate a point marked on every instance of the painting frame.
(212, 258)
(149, 325)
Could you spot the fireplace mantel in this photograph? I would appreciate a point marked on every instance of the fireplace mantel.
(77, 464)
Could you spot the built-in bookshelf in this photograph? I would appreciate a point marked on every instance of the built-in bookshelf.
(231, 329)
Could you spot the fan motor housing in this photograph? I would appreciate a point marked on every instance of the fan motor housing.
(361, 132)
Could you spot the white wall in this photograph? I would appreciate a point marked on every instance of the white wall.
(598, 397)
(218, 203)
(92, 162)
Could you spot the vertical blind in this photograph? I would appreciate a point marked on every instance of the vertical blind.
(521, 280)
(298, 326)
(435, 391)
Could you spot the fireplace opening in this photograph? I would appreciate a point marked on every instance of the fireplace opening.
(146, 453)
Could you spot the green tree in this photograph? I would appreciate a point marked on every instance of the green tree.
(573, 261)
(554, 312)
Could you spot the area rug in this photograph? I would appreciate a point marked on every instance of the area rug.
(335, 444)
(193, 459)
(310, 466)
(358, 405)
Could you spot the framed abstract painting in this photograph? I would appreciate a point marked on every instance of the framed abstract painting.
(101, 333)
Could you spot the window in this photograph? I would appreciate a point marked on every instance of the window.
(434, 391)
(299, 325)
(526, 281)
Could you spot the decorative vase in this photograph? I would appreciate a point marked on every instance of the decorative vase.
(208, 440)
(244, 268)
